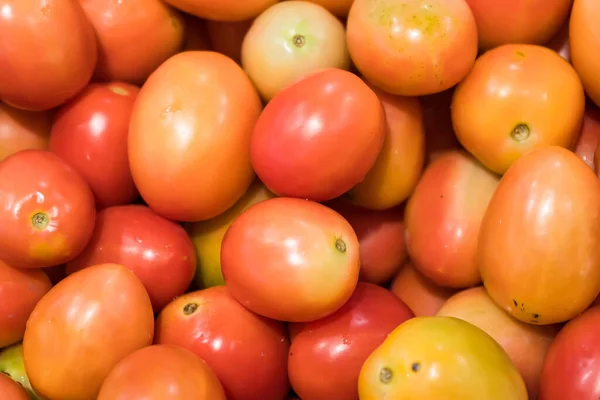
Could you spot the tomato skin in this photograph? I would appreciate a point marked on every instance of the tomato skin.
(82, 328)
(309, 253)
(584, 34)
(161, 372)
(559, 246)
(48, 212)
(589, 137)
(11, 390)
(289, 156)
(218, 329)
(90, 133)
(338, 345)
(167, 166)
(223, 10)
(48, 53)
(227, 37)
(23, 130)
(150, 246)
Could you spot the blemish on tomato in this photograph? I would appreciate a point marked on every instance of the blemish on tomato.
(118, 90)
(416, 366)
(386, 375)
(340, 245)
(190, 308)
(520, 53)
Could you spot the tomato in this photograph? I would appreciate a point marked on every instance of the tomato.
(299, 137)
(440, 357)
(517, 98)
(289, 41)
(196, 34)
(589, 137)
(11, 364)
(443, 217)
(560, 42)
(337, 346)
(47, 213)
(412, 47)
(571, 369)
(161, 372)
(341, 8)
(437, 119)
(227, 37)
(20, 290)
(291, 259)
(151, 246)
(134, 37)
(223, 10)
(526, 345)
(11, 390)
(584, 37)
(208, 236)
(597, 160)
(398, 168)
(48, 52)
(421, 295)
(539, 256)
(194, 114)
(23, 130)
(380, 237)
(90, 133)
(247, 352)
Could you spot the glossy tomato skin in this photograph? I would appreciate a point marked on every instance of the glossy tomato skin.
(584, 35)
(291, 259)
(538, 256)
(20, 290)
(161, 372)
(195, 114)
(48, 52)
(404, 48)
(589, 136)
(158, 251)
(223, 10)
(11, 390)
(48, 212)
(134, 37)
(23, 130)
(90, 133)
(337, 346)
(299, 138)
(247, 352)
(82, 328)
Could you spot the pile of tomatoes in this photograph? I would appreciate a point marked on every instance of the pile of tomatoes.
(299, 199)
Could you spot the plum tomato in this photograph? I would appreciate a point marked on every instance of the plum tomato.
(589, 137)
(227, 37)
(222, 10)
(23, 130)
(11, 390)
(584, 39)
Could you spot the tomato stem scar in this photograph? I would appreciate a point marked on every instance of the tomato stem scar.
(340, 245)
(40, 220)
(385, 375)
(190, 308)
(520, 132)
(299, 40)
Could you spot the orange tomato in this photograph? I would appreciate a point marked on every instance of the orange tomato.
(23, 130)
(227, 37)
(195, 113)
(584, 38)
(539, 244)
(341, 8)
(589, 137)
(11, 390)
(517, 98)
(223, 10)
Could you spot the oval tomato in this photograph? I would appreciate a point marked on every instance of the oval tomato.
(299, 138)
(223, 10)
(337, 346)
(247, 352)
(589, 137)
(90, 133)
(341, 8)
(23, 130)
(47, 213)
(11, 390)
(412, 47)
(157, 250)
(161, 372)
(194, 114)
(513, 101)
(82, 328)
(309, 253)
(227, 37)
(539, 254)
(47, 54)
(437, 119)
(196, 34)
(134, 37)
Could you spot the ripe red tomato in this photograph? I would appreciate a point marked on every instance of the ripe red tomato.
(47, 213)
(23, 130)
(20, 290)
(134, 37)
(584, 38)
(412, 47)
(90, 133)
(589, 137)
(157, 250)
(291, 259)
(47, 53)
(194, 114)
(300, 137)
(337, 346)
(11, 390)
(82, 328)
(227, 37)
(247, 352)
(161, 372)
(223, 10)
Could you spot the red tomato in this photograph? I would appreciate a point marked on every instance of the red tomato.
(247, 352)
(290, 259)
(151, 246)
(161, 372)
(584, 38)
(337, 346)
(227, 37)
(47, 213)
(412, 47)
(11, 390)
(82, 328)
(90, 133)
(134, 37)
(341, 8)
(20, 290)
(589, 137)
(300, 137)
(437, 118)
(194, 114)
(196, 34)
(47, 53)
(23, 130)
(223, 10)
